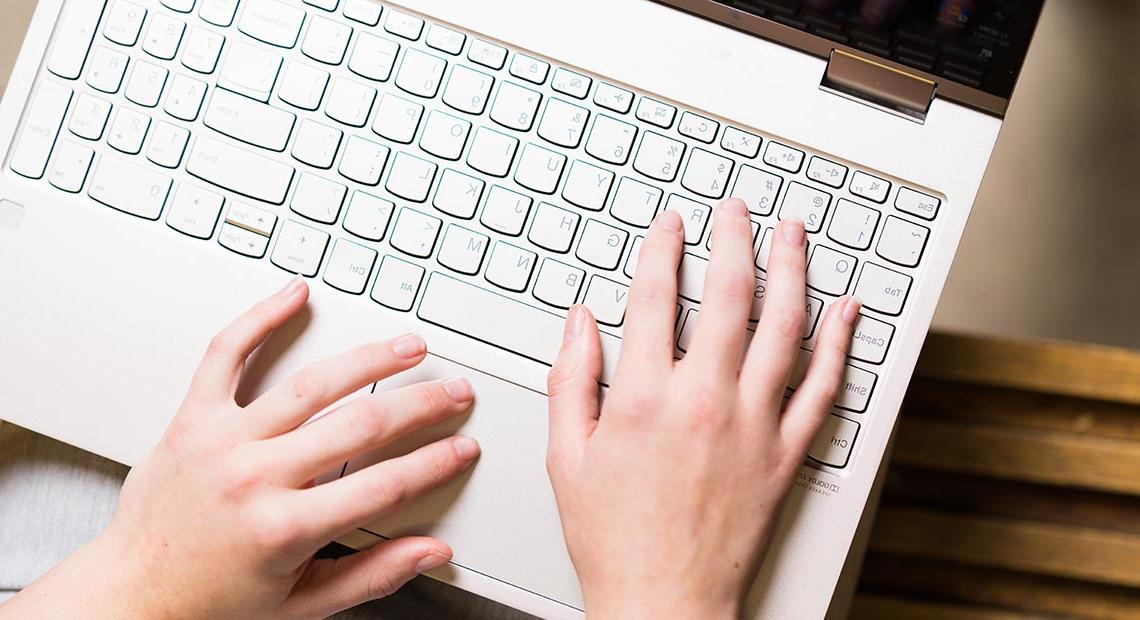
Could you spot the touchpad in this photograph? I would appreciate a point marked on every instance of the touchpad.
(500, 518)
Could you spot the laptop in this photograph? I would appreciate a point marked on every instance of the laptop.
(468, 170)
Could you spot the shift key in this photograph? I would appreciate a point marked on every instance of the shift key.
(239, 171)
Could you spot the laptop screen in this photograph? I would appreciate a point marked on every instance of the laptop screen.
(978, 44)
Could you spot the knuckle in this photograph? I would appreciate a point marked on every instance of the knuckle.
(650, 288)
(560, 378)
(706, 404)
(368, 417)
(308, 384)
(789, 323)
(733, 284)
(432, 397)
(221, 344)
(240, 479)
(441, 463)
(274, 528)
(381, 585)
(393, 489)
(636, 404)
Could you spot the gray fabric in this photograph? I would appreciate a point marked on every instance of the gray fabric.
(54, 498)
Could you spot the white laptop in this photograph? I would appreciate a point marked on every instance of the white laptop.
(468, 170)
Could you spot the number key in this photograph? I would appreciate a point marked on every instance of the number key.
(807, 204)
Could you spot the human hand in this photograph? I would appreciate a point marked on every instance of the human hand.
(222, 518)
(669, 492)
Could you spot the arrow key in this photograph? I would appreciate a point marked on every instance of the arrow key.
(299, 248)
(242, 241)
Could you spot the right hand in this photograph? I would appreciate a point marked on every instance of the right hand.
(670, 491)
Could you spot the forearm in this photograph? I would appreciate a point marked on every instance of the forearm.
(94, 582)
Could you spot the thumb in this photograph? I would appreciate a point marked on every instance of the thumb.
(573, 385)
(329, 586)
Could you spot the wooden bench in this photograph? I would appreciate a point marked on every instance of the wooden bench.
(1014, 489)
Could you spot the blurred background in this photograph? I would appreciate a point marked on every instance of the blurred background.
(1052, 249)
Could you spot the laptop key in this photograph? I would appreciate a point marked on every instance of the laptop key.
(420, 73)
(502, 322)
(832, 445)
(239, 171)
(349, 266)
(272, 22)
(397, 283)
(783, 157)
(462, 250)
(194, 211)
(806, 204)
(128, 187)
(249, 121)
(299, 248)
(124, 22)
(69, 165)
(870, 187)
(882, 289)
(707, 174)
(218, 12)
(73, 38)
(902, 242)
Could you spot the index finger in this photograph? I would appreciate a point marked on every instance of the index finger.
(221, 367)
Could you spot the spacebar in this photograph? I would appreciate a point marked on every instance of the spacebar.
(502, 322)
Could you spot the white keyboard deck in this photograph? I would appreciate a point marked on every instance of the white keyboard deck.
(433, 172)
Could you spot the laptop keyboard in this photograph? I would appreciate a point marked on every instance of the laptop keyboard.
(432, 172)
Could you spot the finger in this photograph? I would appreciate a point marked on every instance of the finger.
(289, 404)
(815, 396)
(220, 370)
(647, 342)
(730, 286)
(363, 496)
(333, 585)
(365, 423)
(573, 387)
(776, 344)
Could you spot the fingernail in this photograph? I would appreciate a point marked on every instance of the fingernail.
(459, 389)
(851, 310)
(734, 206)
(430, 561)
(793, 231)
(409, 346)
(574, 323)
(668, 220)
(466, 447)
(292, 287)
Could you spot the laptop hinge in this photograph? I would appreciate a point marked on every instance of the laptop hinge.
(886, 88)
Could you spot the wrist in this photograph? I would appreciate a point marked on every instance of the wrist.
(97, 581)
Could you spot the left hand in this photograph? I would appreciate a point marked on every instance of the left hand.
(222, 518)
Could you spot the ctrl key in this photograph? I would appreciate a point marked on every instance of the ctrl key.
(833, 444)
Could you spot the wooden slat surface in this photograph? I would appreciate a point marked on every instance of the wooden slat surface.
(1019, 454)
(1014, 489)
(1063, 551)
(1087, 371)
(926, 579)
(870, 607)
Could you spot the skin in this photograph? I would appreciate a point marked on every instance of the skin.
(222, 518)
(669, 490)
